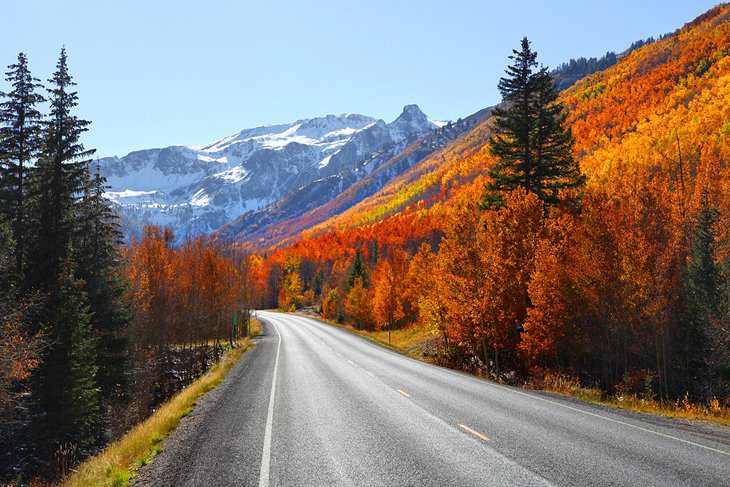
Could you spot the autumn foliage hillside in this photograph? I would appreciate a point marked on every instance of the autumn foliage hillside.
(628, 116)
(629, 293)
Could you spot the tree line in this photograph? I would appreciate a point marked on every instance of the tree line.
(82, 323)
(196, 294)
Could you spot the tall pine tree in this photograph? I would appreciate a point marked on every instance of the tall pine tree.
(98, 239)
(20, 142)
(68, 394)
(704, 298)
(65, 385)
(357, 270)
(532, 145)
(58, 179)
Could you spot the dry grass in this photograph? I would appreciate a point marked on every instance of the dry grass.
(569, 386)
(255, 327)
(683, 409)
(118, 462)
(408, 341)
(565, 385)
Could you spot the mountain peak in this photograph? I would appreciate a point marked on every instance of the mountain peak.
(411, 113)
(412, 121)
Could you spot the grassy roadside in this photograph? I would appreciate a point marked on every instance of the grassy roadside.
(684, 409)
(117, 464)
(407, 341)
(410, 341)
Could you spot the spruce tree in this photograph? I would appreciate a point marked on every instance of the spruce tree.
(58, 179)
(357, 270)
(98, 238)
(20, 142)
(530, 141)
(65, 385)
(703, 296)
(375, 254)
(67, 377)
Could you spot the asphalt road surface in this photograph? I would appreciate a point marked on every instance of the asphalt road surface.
(311, 404)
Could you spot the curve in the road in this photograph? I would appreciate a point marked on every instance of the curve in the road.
(343, 410)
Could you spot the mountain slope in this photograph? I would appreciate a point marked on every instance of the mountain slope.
(664, 107)
(286, 218)
(329, 196)
(197, 189)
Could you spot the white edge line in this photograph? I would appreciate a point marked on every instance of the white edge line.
(616, 421)
(490, 383)
(266, 453)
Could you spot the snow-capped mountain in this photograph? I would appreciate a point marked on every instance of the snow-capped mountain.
(323, 198)
(197, 189)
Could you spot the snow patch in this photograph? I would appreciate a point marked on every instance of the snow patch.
(233, 175)
(324, 161)
(127, 193)
(222, 160)
(438, 123)
(200, 198)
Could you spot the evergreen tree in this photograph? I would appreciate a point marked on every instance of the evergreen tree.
(67, 377)
(375, 254)
(719, 360)
(357, 270)
(530, 141)
(20, 141)
(704, 296)
(98, 236)
(65, 385)
(58, 179)
(7, 249)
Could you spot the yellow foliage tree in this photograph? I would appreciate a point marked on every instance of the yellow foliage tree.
(358, 310)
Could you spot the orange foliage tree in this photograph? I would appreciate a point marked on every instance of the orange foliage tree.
(392, 293)
(189, 295)
(358, 307)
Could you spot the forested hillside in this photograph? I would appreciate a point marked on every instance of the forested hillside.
(628, 292)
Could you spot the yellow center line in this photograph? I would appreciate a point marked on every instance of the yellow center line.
(404, 393)
(353, 363)
(475, 433)
(370, 373)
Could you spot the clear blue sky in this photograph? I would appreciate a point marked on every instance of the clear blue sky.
(155, 73)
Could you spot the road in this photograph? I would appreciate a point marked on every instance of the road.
(311, 404)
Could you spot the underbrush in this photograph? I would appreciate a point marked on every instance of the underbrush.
(117, 464)
(646, 402)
